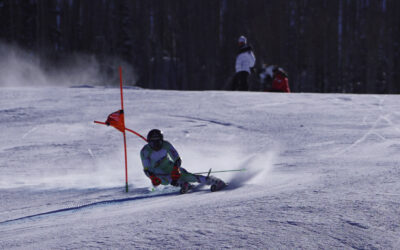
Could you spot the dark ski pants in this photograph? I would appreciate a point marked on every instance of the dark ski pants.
(240, 81)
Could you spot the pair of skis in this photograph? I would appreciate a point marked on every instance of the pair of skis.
(218, 185)
(186, 187)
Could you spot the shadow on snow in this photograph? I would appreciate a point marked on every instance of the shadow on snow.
(94, 204)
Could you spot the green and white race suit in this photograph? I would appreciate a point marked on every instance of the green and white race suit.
(161, 163)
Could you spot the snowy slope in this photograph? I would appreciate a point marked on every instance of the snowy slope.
(323, 170)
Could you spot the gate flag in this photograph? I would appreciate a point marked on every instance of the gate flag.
(116, 120)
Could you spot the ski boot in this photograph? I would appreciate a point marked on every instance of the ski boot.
(216, 184)
(185, 187)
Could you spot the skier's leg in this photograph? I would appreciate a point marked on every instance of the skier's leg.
(243, 79)
(236, 81)
(187, 176)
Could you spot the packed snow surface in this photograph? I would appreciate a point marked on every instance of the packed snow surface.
(322, 170)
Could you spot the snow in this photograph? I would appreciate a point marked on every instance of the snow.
(322, 170)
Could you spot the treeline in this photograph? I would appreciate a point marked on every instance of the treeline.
(350, 46)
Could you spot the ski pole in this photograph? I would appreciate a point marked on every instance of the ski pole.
(223, 171)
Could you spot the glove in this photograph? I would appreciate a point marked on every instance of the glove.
(175, 173)
(155, 180)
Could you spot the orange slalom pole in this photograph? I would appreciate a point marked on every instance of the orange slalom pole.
(120, 86)
(126, 164)
(122, 108)
(136, 133)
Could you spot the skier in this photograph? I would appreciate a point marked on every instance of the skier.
(245, 61)
(162, 164)
(280, 82)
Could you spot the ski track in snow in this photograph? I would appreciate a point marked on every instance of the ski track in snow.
(322, 170)
(226, 124)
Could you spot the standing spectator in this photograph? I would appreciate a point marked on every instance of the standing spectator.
(245, 61)
(280, 82)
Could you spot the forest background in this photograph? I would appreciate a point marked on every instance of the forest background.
(344, 46)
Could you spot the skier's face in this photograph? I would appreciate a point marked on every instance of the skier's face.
(155, 144)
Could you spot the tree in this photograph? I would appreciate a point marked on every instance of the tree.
(325, 45)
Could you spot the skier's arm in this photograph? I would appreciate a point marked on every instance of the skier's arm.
(253, 59)
(144, 156)
(249, 61)
(175, 173)
(173, 153)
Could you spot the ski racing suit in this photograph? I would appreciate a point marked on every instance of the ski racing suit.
(163, 167)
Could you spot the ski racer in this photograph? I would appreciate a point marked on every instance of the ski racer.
(162, 164)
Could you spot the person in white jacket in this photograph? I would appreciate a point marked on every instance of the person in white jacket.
(245, 60)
